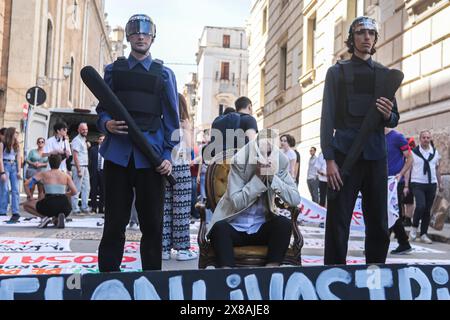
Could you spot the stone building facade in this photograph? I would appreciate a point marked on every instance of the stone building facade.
(294, 42)
(222, 61)
(45, 36)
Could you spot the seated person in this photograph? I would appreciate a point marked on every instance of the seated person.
(56, 205)
(245, 215)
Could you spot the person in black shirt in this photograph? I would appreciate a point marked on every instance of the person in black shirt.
(350, 90)
(248, 122)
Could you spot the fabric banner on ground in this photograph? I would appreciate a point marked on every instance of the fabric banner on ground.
(59, 263)
(134, 247)
(311, 212)
(318, 261)
(20, 245)
(33, 222)
(353, 245)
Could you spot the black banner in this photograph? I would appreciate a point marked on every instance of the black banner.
(355, 282)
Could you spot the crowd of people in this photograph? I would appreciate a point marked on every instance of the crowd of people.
(119, 181)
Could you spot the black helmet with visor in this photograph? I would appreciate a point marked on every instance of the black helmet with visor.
(140, 24)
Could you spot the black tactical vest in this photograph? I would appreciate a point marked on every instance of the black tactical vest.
(356, 96)
(140, 92)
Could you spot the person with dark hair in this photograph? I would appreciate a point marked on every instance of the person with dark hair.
(36, 163)
(312, 177)
(97, 178)
(292, 144)
(59, 144)
(177, 204)
(2, 133)
(148, 90)
(10, 169)
(55, 206)
(399, 163)
(351, 88)
(228, 110)
(4, 196)
(321, 167)
(408, 199)
(286, 142)
(244, 108)
(425, 181)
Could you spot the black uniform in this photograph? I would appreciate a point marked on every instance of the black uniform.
(350, 90)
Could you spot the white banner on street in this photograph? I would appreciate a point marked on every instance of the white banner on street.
(312, 243)
(33, 222)
(134, 247)
(318, 261)
(59, 263)
(311, 212)
(20, 245)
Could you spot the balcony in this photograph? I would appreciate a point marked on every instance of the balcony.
(227, 86)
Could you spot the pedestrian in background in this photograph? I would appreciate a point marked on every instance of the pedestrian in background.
(10, 170)
(425, 180)
(96, 176)
(80, 170)
(321, 167)
(286, 141)
(312, 179)
(36, 162)
(55, 206)
(177, 204)
(292, 144)
(399, 163)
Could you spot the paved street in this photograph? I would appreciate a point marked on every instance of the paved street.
(85, 235)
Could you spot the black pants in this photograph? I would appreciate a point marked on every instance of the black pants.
(275, 233)
(369, 177)
(424, 194)
(98, 191)
(323, 187)
(398, 228)
(119, 183)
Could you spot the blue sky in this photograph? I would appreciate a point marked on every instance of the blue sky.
(179, 25)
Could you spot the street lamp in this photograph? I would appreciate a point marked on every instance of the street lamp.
(67, 71)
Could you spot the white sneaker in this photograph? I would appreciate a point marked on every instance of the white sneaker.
(184, 255)
(424, 238)
(413, 234)
(165, 255)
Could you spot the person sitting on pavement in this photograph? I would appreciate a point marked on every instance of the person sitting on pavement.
(245, 215)
(56, 205)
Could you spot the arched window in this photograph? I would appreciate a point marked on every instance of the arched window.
(49, 48)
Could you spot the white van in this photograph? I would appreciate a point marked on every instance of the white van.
(41, 122)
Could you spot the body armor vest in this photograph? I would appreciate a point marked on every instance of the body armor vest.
(140, 92)
(354, 104)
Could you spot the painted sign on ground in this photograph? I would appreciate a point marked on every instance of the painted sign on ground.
(33, 222)
(20, 245)
(59, 263)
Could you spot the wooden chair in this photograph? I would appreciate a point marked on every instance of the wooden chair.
(246, 256)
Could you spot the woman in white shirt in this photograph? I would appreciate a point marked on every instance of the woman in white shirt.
(285, 141)
(425, 179)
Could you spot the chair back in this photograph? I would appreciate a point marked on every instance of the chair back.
(216, 179)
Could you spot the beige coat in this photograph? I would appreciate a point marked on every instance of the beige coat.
(244, 187)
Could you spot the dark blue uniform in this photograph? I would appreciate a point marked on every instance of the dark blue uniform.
(350, 90)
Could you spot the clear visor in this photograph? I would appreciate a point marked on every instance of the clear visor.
(368, 24)
(140, 27)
